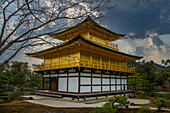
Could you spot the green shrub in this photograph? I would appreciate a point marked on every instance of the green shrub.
(1, 101)
(107, 108)
(160, 102)
(145, 109)
(110, 106)
(3, 94)
(122, 101)
(168, 102)
(14, 95)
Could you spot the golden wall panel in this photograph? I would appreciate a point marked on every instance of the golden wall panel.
(63, 59)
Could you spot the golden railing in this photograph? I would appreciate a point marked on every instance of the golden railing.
(85, 63)
(106, 44)
(105, 66)
(56, 66)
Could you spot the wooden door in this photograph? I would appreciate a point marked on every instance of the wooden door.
(54, 84)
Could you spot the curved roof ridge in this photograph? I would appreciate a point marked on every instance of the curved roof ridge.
(85, 20)
(87, 41)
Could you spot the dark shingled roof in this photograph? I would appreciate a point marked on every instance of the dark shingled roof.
(87, 41)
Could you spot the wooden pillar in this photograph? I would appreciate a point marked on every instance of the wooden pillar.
(121, 82)
(57, 81)
(115, 83)
(127, 81)
(67, 80)
(101, 82)
(91, 82)
(124, 90)
(110, 82)
(42, 82)
(79, 80)
(50, 82)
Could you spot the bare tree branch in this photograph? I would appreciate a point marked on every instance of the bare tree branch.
(38, 18)
(8, 18)
(19, 24)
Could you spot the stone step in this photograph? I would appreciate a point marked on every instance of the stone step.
(49, 95)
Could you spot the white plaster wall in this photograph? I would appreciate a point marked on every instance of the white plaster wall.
(96, 88)
(106, 88)
(122, 87)
(54, 75)
(123, 81)
(112, 81)
(84, 80)
(73, 74)
(113, 88)
(117, 76)
(65, 74)
(85, 89)
(112, 75)
(73, 84)
(85, 74)
(105, 81)
(118, 87)
(105, 75)
(46, 75)
(96, 75)
(62, 84)
(96, 80)
(117, 81)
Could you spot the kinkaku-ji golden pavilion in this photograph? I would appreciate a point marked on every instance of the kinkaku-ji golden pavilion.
(86, 63)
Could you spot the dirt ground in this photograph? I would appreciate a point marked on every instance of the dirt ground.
(26, 107)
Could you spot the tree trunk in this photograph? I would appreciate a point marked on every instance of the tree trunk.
(127, 106)
(159, 108)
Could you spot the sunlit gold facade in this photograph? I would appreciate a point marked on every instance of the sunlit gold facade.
(85, 45)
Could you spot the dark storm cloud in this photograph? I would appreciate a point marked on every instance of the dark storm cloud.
(127, 18)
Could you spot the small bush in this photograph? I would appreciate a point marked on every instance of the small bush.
(110, 106)
(3, 94)
(160, 102)
(107, 108)
(141, 95)
(145, 109)
(98, 110)
(1, 101)
(14, 95)
(140, 92)
(152, 94)
(122, 101)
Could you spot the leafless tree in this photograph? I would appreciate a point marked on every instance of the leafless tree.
(24, 23)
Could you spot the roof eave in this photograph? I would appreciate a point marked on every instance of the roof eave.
(87, 19)
(82, 38)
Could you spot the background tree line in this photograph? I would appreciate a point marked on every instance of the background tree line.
(150, 76)
(18, 74)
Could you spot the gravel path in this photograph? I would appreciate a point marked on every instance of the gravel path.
(67, 102)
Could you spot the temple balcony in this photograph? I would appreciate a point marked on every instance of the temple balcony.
(85, 63)
(99, 42)
(104, 43)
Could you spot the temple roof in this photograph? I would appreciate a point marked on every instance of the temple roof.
(87, 23)
(86, 41)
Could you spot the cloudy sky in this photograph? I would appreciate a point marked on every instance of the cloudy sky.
(149, 21)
